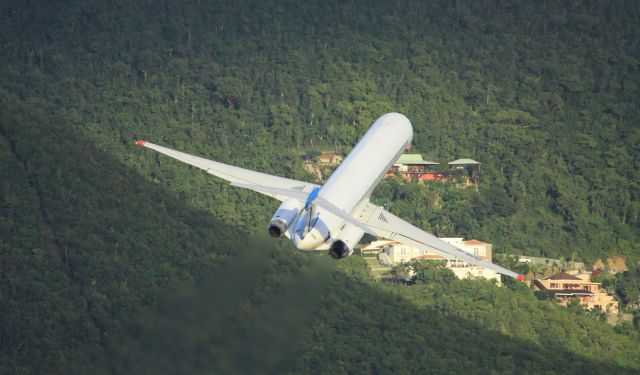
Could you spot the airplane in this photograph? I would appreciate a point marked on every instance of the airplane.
(335, 216)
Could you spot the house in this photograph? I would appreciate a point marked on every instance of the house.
(470, 166)
(566, 286)
(395, 253)
(329, 158)
(376, 246)
(478, 248)
(412, 167)
(463, 163)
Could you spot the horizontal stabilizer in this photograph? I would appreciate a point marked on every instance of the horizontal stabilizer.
(319, 201)
(339, 212)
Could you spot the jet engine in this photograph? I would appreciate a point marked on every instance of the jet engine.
(284, 217)
(346, 241)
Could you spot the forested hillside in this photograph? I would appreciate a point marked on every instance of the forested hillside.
(544, 95)
(116, 258)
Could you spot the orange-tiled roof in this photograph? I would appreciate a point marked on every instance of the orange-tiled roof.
(474, 242)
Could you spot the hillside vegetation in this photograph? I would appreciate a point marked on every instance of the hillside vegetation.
(122, 260)
(544, 95)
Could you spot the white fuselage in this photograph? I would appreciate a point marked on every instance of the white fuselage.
(354, 180)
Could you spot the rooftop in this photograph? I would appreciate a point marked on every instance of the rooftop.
(474, 242)
(562, 291)
(562, 276)
(414, 159)
(464, 162)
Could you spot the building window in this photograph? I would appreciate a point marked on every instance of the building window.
(554, 285)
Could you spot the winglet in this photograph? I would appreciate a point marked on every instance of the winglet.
(520, 278)
(140, 143)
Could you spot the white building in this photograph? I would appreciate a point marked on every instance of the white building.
(376, 246)
(393, 253)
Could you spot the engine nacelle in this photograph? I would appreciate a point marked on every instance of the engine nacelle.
(284, 217)
(346, 241)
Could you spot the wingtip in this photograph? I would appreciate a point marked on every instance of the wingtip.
(140, 142)
(520, 278)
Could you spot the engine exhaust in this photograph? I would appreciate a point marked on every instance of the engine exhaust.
(339, 250)
(276, 228)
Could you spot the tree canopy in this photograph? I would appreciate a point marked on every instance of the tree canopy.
(103, 243)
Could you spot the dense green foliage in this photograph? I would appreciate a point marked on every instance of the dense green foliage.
(626, 285)
(117, 258)
(545, 95)
(85, 242)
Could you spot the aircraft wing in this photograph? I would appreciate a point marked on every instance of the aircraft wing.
(382, 223)
(272, 186)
